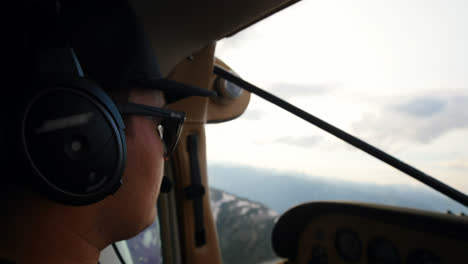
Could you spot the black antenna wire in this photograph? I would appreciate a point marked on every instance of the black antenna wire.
(369, 149)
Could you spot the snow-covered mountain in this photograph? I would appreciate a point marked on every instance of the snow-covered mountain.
(245, 224)
(244, 228)
(244, 231)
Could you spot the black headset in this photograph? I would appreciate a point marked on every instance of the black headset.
(69, 134)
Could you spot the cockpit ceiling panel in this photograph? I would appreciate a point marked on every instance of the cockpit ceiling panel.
(179, 28)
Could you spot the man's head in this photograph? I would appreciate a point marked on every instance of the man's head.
(110, 47)
(105, 43)
(133, 206)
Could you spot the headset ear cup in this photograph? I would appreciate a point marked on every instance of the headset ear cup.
(72, 138)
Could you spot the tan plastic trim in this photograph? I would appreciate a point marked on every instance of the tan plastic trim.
(210, 252)
(195, 71)
(170, 235)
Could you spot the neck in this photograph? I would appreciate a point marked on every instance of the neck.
(41, 232)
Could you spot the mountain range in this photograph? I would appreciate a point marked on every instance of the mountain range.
(244, 228)
(282, 190)
(246, 202)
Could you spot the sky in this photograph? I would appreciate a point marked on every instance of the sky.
(393, 73)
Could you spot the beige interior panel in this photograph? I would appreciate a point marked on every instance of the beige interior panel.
(209, 252)
(196, 71)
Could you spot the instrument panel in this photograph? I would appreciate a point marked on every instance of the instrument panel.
(332, 232)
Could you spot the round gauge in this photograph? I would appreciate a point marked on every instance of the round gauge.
(382, 251)
(348, 245)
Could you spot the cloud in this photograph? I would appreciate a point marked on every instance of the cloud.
(422, 107)
(288, 90)
(420, 119)
(253, 115)
(459, 164)
(240, 40)
(304, 142)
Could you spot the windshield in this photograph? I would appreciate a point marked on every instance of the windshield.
(393, 73)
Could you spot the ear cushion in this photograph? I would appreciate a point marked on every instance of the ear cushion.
(72, 139)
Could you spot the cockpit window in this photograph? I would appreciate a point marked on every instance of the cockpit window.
(391, 73)
(145, 248)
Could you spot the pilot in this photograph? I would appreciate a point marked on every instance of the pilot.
(82, 69)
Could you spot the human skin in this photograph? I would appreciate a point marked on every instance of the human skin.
(37, 230)
(135, 202)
